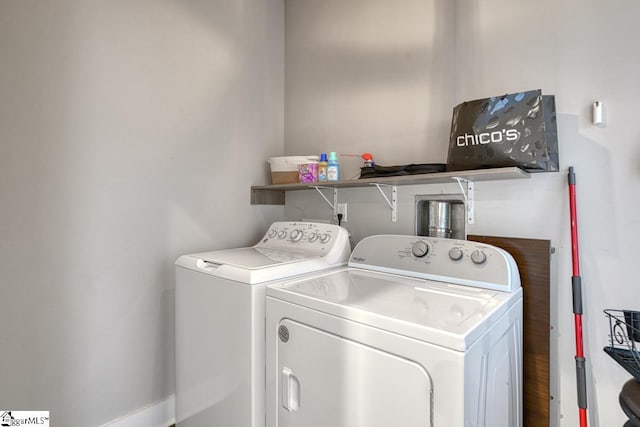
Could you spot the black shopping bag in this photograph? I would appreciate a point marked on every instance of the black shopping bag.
(516, 129)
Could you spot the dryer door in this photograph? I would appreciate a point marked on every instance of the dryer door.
(326, 380)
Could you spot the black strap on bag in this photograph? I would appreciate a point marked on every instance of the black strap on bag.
(378, 171)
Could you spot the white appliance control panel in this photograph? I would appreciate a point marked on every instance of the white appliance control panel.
(309, 237)
(448, 260)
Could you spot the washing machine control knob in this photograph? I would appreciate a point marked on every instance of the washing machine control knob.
(313, 237)
(296, 235)
(282, 234)
(272, 233)
(324, 238)
(419, 249)
(478, 257)
(455, 253)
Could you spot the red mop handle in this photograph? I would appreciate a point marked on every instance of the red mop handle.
(574, 226)
(575, 279)
(576, 283)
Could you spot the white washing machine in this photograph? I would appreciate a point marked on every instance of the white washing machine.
(415, 331)
(220, 319)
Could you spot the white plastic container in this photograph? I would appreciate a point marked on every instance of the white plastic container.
(284, 170)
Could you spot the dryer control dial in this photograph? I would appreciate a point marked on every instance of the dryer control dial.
(324, 238)
(282, 234)
(478, 257)
(272, 233)
(313, 237)
(419, 249)
(455, 253)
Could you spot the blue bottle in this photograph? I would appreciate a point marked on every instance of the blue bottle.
(333, 167)
(322, 167)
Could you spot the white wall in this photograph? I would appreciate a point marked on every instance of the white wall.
(362, 93)
(368, 76)
(130, 133)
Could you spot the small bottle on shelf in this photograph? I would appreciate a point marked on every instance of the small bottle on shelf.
(368, 160)
(333, 167)
(322, 167)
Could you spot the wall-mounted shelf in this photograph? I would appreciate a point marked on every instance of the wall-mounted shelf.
(274, 194)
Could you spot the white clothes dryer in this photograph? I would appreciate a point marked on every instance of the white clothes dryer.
(414, 332)
(220, 319)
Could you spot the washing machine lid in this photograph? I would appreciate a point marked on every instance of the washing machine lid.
(255, 258)
(254, 265)
(286, 250)
(445, 314)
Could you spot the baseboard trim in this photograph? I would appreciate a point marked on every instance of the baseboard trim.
(160, 414)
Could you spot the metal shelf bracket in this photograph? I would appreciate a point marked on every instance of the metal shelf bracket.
(468, 197)
(334, 205)
(393, 203)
